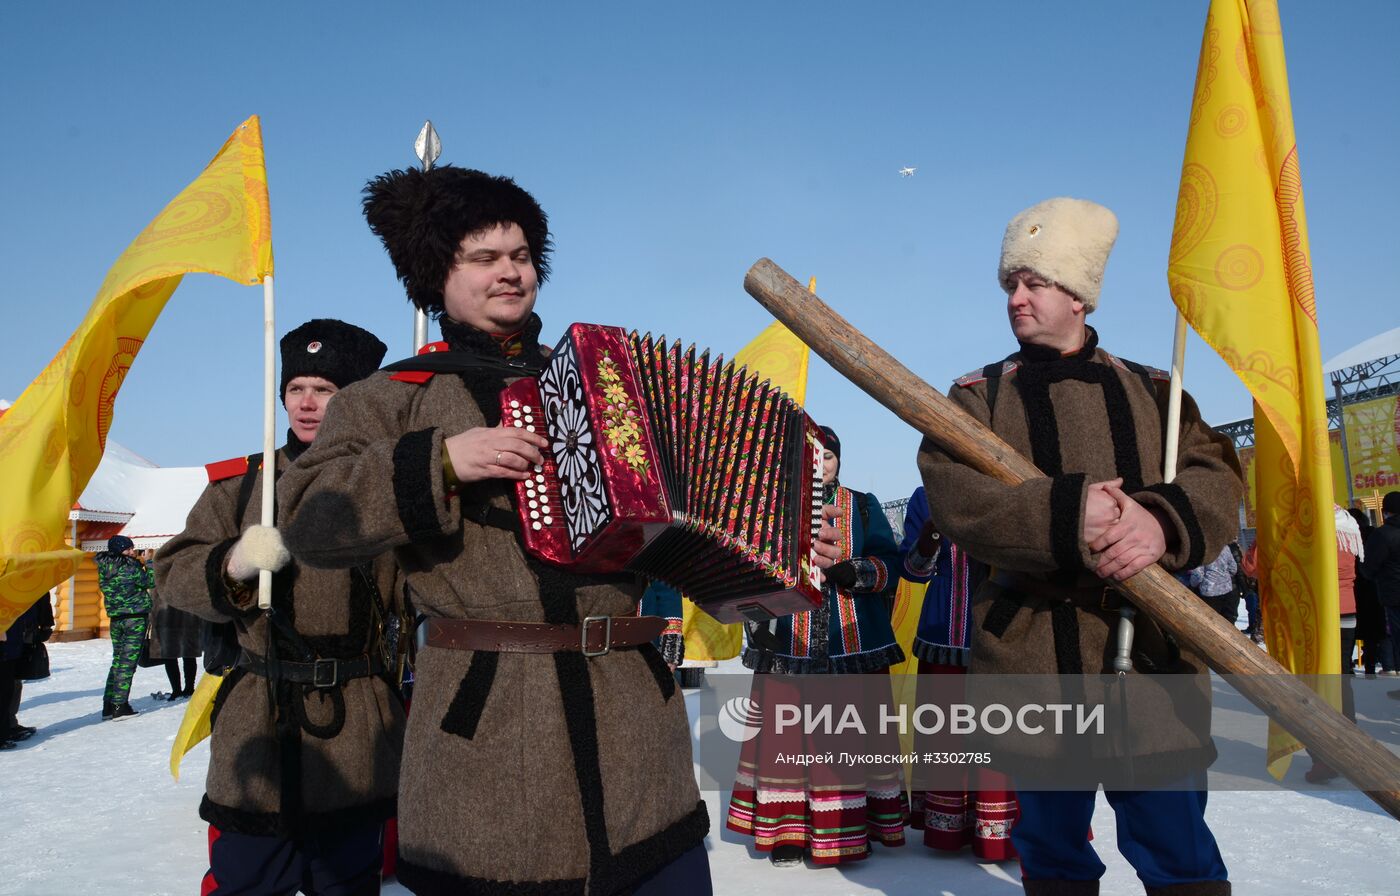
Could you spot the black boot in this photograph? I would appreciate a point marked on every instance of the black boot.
(122, 711)
(173, 696)
(22, 732)
(786, 855)
(107, 709)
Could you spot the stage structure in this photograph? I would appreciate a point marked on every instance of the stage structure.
(1362, 417)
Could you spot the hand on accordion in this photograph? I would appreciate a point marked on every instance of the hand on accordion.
(827, 547)
(494, 452)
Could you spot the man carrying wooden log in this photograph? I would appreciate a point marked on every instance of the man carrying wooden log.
(1094, 424)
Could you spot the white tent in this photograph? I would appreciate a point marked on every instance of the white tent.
(1382, 346)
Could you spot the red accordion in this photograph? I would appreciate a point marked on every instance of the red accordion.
(670, 465)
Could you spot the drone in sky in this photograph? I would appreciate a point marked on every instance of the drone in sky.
(907, 171)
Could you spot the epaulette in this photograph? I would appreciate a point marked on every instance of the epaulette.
(226, 469)
(419, 377)
(982, 374)
(1142, 370)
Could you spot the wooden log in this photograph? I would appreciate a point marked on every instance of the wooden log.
(1324, 731)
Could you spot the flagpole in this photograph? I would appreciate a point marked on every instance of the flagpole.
(269, 479)
(1123, 657)
(427, 147)
(1174, 399)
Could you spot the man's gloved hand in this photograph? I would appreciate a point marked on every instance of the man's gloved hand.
(842, 575)
(260, 547)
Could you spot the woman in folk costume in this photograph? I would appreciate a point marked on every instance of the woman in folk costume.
(849, 633)
(982, 812)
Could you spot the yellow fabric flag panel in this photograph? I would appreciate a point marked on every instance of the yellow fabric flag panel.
(1239, 272)
(53, 437)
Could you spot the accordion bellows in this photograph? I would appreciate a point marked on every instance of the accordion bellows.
(671, 465)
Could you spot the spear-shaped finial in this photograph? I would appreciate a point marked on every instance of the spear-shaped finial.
(427, 147)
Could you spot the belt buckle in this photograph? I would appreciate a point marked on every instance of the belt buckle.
(325, 672)
(1109, 600)
(607, 636)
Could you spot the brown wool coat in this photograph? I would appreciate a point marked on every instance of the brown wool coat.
(1084, 419)
(347, 780)
(572, 774)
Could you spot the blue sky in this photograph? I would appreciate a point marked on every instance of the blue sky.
(672, 146)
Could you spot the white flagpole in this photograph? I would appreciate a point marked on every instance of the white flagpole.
(1122, 662)
(269, 480)
(1174, 399)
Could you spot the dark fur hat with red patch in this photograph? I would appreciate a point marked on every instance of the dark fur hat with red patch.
(332, 350)
(422, 216)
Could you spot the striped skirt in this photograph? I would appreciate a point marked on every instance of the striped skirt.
(834, 814)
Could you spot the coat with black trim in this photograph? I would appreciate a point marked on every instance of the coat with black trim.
(341, 744)
(1085, 418)
(851, 631)
(522, 772)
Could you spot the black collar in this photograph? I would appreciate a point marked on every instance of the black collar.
(462, 337)
(294, 447)
(1036, 354)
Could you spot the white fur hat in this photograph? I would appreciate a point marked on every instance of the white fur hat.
(1064, 240)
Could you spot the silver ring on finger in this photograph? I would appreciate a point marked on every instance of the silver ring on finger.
(498, 458)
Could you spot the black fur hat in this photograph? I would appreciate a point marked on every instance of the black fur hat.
(332, 350)
(423, 216)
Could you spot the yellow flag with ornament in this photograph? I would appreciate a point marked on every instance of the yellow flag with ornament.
(781, 358)
(53, 436)
(1240, 274)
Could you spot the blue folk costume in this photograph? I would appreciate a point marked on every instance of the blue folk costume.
(851, 630)
(662, 600)
(944, 635)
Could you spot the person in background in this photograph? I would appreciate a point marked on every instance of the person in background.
(1382, 567)
(1349, 553)
(1249, 589)
(33, 626)
(1370, 618)
(981, 813)
(175, 638)
(126, 585)
(1249, 565)
(1215, 583)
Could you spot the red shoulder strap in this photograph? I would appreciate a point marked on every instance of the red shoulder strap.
(226, 469)
(419, 377)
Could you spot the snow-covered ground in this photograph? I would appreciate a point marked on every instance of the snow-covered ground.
(90, 809)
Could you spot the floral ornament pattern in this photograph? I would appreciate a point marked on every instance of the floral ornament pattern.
(586, 506)
(622, 428)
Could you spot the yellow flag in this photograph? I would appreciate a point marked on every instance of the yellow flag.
(781, 358)
(53, 437)
(197, 722)
(1241, 275)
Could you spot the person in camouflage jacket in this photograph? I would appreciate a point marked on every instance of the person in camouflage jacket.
(125, 583)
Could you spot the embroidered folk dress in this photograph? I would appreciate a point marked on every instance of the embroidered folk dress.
(981, 813)
(849, 633)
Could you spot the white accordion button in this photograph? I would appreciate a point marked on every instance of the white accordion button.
(530, 428)
(544, 499)
(515, 404)
(549, 521)
(518, 424)
(539, 469)
(534, 514)
(534, 504)
(535, 526)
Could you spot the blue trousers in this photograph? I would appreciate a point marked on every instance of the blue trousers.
(688, 875)
(1162, 834)
(244, 865)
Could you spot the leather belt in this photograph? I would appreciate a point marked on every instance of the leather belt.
(594, 637)
(1088, 592)
(327, 672)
